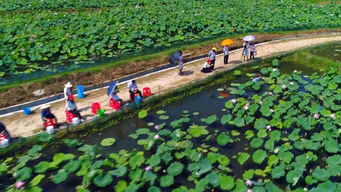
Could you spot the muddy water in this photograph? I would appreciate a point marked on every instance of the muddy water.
(332, 52)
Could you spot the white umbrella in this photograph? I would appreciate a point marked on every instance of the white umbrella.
(249, 38)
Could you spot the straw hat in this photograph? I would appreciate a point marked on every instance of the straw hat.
(68, 84)
(214, 48)
(45, 106)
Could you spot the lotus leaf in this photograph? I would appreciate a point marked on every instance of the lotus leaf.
(240, 186)
(71, 142)
(121, 186)
(210, 119)
(201, 185)
(242, 158)
(256, 142)
(278, 172)
(223, 139)
(103, 180)
(248, 174)
(205, 166)
(160, 112)
(175, 169)
(239, 122)
(326, 186)
(269, 145)
(36, 180)
(108, 142)
(293, 176)
(153, 189)
(225, 119)
(259, 156)
(262, 133)
(272, 187)
(34, 150)
(164, 117)
(120, 171)
(285, 156)
(223, 160)
(213, 179)
(42, 167)
(60, 176)
(249, 134)
(142, 131)
(261, 123)
(45, 137)
(166, 181)
(331, 145)
(3, 169)
(321, 174)
(143, 114)
(197, 131)
(136, 160)
(72, 166)
(237, 72)
(226, 182)
(23, 173)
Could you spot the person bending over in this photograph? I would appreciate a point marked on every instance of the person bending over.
(132, 86)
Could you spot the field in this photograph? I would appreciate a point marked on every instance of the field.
(64, 35)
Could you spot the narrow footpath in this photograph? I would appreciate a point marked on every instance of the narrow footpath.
(20, 125)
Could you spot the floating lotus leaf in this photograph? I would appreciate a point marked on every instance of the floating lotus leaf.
(153, 189)
(331, 145)
(142, 131)
(278, 172)
(248, 174)
(272, 187)
(60, 157)
(37, 179)
(275, 62)
(269, 145)
(262, 133)
(136, 160)
(259, 156)
(108, 142)
(213, 179)
(261, 123)
(72, 166)
(310, 180)
(3, 169)
(197, 131)
(60, 177)
(223, 139)
(205, 166)
(143, 114)
(42, 167)
(223, 160)
(240, 186)
(293, 176)
(120, 171)
(164, 117)
(249, 134)
(242, 158)
(229, 105)
(326, 186)
(201, 185)
(166, 181)
(175, 169)
(226, 182)
(71, 142)
(237, 72)
(210, 119)
(196, 113)
(103, 180)
(272, 160)
(225, 119)
(256, 142)
(239, 122)
(160, 112)
(34, 150)
(285, 156)
(23, 173)
(45, 137)
(154, 160)
(321, 174)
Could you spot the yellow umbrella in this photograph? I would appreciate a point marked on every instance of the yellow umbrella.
(227, 42)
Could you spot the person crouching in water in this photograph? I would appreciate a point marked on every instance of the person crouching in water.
(206, 68)
(132, 86)
(71, 107)
(211, 57)
(5, 137)
(49, 119)
(253, 51)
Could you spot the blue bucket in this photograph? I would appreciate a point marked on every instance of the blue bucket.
(80, 91)
(27, 111)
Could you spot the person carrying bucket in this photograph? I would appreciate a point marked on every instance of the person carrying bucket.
(211, 57)
(132, 86)
(49, 119)
(5, 137)
(68, 95)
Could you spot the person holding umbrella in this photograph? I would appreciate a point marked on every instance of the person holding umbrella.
(253, 50)
(225, 45)
(211, 57)
(112, 92)
(246, 46)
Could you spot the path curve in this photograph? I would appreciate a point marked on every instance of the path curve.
(161, 81)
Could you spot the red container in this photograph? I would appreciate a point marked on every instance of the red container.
(69, 116)
(115, 104)
(49, 122)
(95, 107)
(146, 92)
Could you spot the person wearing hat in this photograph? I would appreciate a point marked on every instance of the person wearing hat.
(132, 86)
(72, 108)
(68, 95)
(211, 57)
(46, 114)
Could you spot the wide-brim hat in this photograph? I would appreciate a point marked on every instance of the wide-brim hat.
(45, 106)
(214, 48)
(68, 84)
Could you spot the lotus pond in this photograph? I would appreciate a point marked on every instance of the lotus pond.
(277, 133)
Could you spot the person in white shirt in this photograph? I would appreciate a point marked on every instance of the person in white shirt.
(253, 51)
(68, 95)
(132, 86)
(211, 57)
(72, 108)
(226, 54)
(206, 68)
(245, 53)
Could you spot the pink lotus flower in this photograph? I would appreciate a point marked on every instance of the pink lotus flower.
(20, 185)
(157, 127)
(332, 116)
(249, 190)
(268, 127)
(148, 168)
(271, 93)
(234, 101)
(157, 137)
(248, 182)
(316, 116)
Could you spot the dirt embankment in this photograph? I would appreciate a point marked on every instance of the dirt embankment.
(24, 93)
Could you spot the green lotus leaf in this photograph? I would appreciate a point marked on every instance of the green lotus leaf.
(197, 131)
(272, 160)
(60, 157)
(262, 133)
(326, 186)
(285, 156)
(265, 110)
(326, 112)
(278, 172)
(272, 187)
(240, 186)
(103, 180)
(34, 150)
(239, 122)
(201, 185)
(205, 166)
(42, 167)
(72, 166)
(269, 145)
(61, 176)
(331, 145)
(321, 174)
(34, 189)
(223, 139)
(136, 160)
(3, 169)
(213, 179)
(196, 113)
(143, 114)
(259, 156)
(242, 157)
(249, 134)
(23, 173)
(142, 131)
(334, 160)
(225, 119)
(210, 119)
(154, 160)
(45, 137)
(37, 179)
(261, 123)
(120, 171)
(310, 180)
(71, 142)
(229, 105)
(160, 112)
(164, 117)
(256, 142)
(248, 174)
(293, 176)
(223, 160)
(108, 142)
(149, 176)
(153, 189)
(166, 181)
(175, 169)
(226, 182)
(275, 62)
(237, 72)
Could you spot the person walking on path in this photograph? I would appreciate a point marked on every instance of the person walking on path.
(132, 86)
(245, 53)
(68, 95)
(180, 62)
(72, 108)
(253, 51)
(226, 54)
(211, 57)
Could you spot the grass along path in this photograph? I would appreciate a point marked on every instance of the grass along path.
(21, 125)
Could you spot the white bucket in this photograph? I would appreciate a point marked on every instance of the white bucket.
(50, 129)
(76, 121)
(4, 143)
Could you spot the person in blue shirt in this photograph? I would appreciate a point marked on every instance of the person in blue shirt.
(46, 114)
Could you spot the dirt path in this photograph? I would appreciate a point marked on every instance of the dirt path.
(21, 125)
